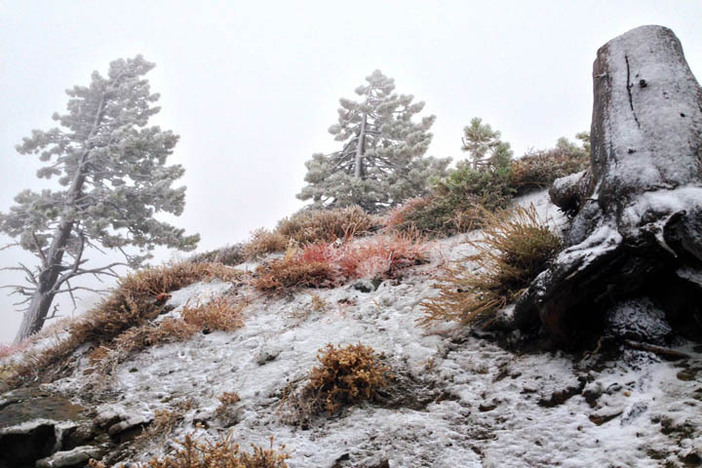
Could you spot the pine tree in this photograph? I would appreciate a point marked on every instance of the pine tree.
(381, 162)
(113, 176)
(486, 149)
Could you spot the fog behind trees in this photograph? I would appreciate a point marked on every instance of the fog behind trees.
(252, 89)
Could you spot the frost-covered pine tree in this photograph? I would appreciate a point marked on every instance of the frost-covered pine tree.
(487, 151)
(381, 162)
(113, 179)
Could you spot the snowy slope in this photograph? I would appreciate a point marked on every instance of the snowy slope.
(458, 400)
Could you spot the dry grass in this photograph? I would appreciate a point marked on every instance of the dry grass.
(516, 248)
(231, 255)
(226, 411)
(218, 314)
(292, 272)
(192, 453)
(130, 308)
(328, 264)
(312, 226)
(345, 376)
(264, 242)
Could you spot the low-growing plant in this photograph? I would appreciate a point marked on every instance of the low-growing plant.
(219, 314)
(327, 264)
(382, 257)
(538, 169)
(293, 272)
(193, 453)
(264, 242)
(457, 203)
(231, 255)
(345, 376)
(132, 305)
(312, 226)
(516, 247)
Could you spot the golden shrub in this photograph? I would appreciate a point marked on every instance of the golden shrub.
(264, 242)
(346, 375)
(308, 227)
(515, 249)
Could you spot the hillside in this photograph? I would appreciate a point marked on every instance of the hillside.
(455, 398)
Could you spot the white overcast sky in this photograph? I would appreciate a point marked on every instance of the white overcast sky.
(252, 87)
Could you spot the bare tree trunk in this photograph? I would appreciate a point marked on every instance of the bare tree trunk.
(360, 149)
(35, 315)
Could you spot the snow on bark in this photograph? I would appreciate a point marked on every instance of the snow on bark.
(639, 210)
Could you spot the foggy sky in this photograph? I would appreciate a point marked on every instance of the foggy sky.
(252, 87)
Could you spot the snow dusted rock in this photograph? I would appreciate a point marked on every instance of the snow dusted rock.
(77, 457)
(638, 213)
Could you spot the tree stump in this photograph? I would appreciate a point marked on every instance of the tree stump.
(637, 225)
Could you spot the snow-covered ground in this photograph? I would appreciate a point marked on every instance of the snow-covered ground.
(458, 400)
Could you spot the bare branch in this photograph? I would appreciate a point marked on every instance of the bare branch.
(9, 246)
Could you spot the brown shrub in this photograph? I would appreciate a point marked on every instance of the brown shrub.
(346, 375)
(308, 227)
(264, 242)
(514, 251)
(219, 314)
(131, 305)
(293, 272)
(192, 453)
(231, 255)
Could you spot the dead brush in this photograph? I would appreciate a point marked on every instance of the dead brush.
(132, 305)
(292, 272)
(193, 453)
(383, 256)
(312, 226)
(219, 314)
(516, 247)
(264, 242)
(345, 376)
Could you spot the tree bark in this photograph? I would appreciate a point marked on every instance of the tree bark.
(360, 149)
(639, 210)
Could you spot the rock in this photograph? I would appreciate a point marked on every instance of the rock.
(78, 457)
(638, 212)
(22, 445)
(128, 428)
(638, 320)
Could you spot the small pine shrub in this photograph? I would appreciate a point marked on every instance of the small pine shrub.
(264, 242)
(457, 203)
(514, 251)
(313, 226)
(538, 169)
(345, 376)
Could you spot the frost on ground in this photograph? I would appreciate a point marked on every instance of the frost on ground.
(457, 400)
